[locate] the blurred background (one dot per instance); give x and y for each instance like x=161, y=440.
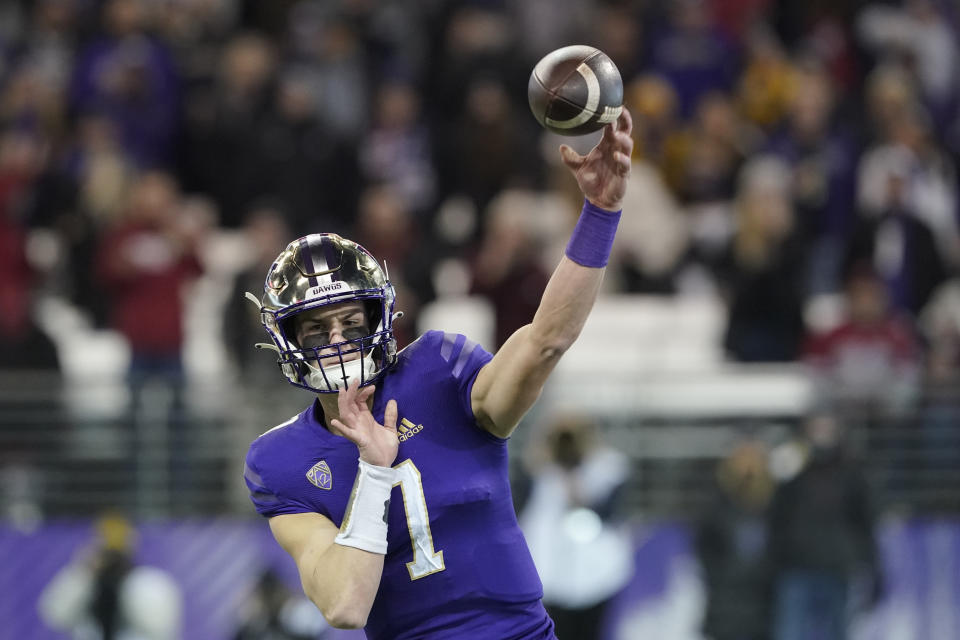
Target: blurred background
x=757, y=433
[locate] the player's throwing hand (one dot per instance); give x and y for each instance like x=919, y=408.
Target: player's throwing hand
x=377, y=443
x=602, y=174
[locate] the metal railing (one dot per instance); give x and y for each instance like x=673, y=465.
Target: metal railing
x=72, y=448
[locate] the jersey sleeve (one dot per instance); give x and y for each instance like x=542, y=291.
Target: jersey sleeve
x=465, y=358
x=267, y=495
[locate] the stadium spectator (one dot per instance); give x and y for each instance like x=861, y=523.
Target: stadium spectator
x=621, y=28
x=45, y=54
x=23, y=344
x=220, y=154
x=325, y=46
x=822, y=537
x=264, y=234
x=938, y=432
x=143, y=263
x=507, y=269
x=398, y=150
x=919, y=34
x=890, y=234
x=304, y=161
x=486, y=149
x=711, y=151
x=388, y=229
x=129, y=76
x=652, y=245
x=821, y=153
x=768, y=84
x=104, y=593
x=659, y=125
x=871, y=360
x=763, y=268
x=23, y=156
x=572, y=523
x=931, y=191
x=692, y=54
x=542, y=26
x=939, y=403
x=731, y=543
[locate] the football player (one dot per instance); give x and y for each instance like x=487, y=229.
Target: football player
x=391, y=491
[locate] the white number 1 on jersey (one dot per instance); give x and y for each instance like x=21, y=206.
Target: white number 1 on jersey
x=425, y=559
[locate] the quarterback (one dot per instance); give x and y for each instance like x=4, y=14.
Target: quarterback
x=390, y=491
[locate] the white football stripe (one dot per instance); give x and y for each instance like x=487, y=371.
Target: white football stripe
x=610, y=114
x=593, y=100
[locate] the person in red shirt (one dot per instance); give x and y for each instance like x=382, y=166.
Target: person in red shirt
x=23, y=343
x=871, y=360
x=143, y=264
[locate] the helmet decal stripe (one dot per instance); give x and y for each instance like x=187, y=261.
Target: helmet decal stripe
x=308, y=261
x=329, y=256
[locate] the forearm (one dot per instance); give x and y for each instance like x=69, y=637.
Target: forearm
x=572, y=290
x=354, y=562
x=343, y=582
x=340, y=568
x=566, y=303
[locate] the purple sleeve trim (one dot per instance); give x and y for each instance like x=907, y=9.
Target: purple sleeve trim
x=592, y=238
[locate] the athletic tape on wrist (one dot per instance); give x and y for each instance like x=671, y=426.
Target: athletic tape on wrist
x=365, y=519
x=592, y=238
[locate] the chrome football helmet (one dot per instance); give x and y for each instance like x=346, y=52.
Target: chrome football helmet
x=319, y=270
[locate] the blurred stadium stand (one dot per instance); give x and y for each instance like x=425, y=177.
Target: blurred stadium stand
x=775, y=139
x=647, y=368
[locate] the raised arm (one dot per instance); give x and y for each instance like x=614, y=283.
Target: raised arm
x=508, y=385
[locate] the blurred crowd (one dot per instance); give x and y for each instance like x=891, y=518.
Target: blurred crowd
x=795, y=158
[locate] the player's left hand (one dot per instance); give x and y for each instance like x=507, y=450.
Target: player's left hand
x=377, y=443
x=602, y=174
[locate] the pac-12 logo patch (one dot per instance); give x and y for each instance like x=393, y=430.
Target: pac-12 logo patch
x=320, y=476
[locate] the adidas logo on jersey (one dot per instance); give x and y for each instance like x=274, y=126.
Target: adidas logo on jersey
x=406, y=429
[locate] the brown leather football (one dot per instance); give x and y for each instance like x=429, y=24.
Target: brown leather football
x=575, y=90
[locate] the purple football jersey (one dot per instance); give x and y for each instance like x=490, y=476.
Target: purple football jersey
x=457, y=565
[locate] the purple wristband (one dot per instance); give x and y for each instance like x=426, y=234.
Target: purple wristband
x=592, y=238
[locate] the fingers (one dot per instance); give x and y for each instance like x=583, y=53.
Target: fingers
x=620, y=129
x=365, y=394
x=390, y=415
x=345, y=398
x=571, y=158
x=348, y=432
x=351, y=400
x=618, y=135
x=625, y=121
x=624, y=144
x=621, y=163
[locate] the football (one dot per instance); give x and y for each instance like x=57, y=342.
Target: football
x=575, y=90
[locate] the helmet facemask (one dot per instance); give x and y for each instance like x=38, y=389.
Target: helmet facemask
x=325, y=366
